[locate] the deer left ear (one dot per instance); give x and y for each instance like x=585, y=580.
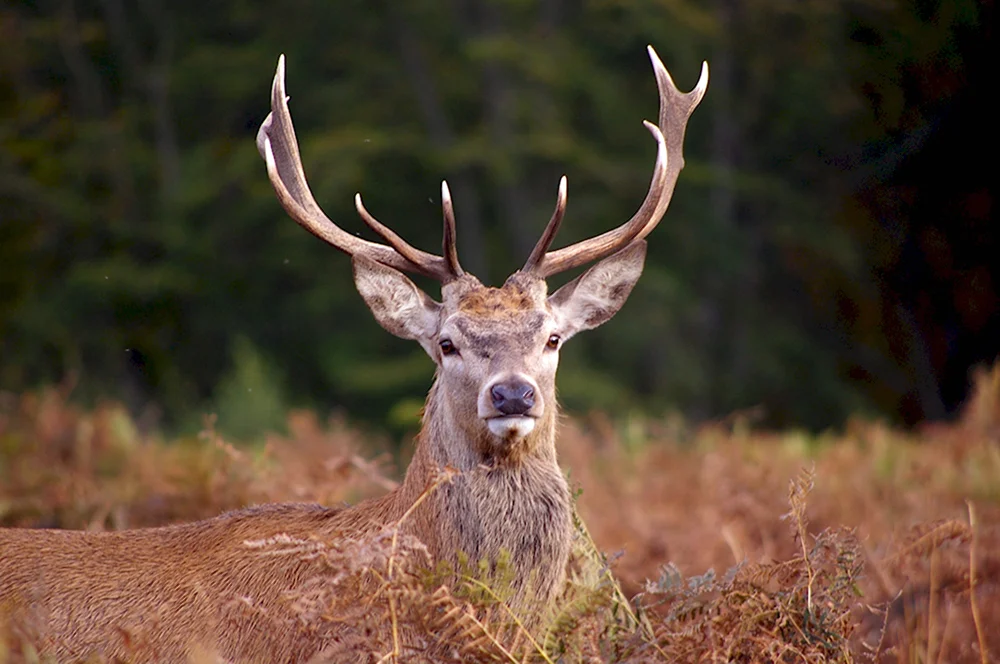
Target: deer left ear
x=398, y=305
x=596, y=295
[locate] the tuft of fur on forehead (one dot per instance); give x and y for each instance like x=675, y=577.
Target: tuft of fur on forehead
x=520, y=293
x=492, y=302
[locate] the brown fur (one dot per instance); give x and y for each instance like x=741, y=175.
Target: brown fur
x=161, y=594
x=505, y=301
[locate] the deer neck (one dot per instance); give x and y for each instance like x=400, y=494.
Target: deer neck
x=515, y=504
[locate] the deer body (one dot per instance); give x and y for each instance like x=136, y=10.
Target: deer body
x=167, y=594
x=212, y=587
x=161, y=594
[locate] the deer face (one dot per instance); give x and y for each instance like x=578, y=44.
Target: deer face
x=496, y=363
x=497, y=349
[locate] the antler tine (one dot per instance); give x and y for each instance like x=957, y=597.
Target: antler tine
x=550, y=231
x=608, y=243
x=423, y=263
x=278, y=146
x=675, y=109
x=449, y=248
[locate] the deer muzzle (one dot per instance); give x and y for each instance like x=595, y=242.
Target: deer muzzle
x=510, y=404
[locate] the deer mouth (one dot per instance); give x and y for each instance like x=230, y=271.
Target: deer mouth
x=511, y=427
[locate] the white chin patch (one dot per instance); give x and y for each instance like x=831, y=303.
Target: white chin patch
x=511, y=427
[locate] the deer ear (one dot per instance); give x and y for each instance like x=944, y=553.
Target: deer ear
x=399, y=306
x=596, y=295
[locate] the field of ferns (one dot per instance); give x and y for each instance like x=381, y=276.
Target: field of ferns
x=709, y=543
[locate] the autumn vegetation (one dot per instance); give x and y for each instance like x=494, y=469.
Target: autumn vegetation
x=716, y=542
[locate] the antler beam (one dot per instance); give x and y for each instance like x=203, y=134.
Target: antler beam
x=675, y=109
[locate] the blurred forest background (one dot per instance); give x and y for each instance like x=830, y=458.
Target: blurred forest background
x=830, y=248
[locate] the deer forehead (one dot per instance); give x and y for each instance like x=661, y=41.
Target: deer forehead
x=516, y=334
x=508, y=320
x=522, y=293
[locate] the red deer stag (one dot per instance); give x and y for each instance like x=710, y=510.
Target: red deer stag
x=490, y=415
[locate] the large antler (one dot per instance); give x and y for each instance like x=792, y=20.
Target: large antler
x=277, y=144
x=675, y=109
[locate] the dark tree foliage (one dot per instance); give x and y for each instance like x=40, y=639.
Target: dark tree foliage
x=143, y=254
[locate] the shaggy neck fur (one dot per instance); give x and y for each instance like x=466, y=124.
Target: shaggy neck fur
x=506, y=498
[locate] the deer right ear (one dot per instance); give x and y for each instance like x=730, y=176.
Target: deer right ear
x=597, y=294
x=399, y=306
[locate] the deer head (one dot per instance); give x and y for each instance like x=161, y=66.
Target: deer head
x=496, y=349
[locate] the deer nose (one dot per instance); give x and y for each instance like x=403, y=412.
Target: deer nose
x=514, y=397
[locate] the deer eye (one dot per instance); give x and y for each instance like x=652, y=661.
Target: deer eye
x=447, y=347
x=553, y=342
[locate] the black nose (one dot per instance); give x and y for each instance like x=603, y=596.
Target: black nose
x=514, y=397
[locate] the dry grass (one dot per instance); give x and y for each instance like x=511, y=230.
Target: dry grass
x=872, y=545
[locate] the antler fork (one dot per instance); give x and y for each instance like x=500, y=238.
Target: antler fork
x=675, y=109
